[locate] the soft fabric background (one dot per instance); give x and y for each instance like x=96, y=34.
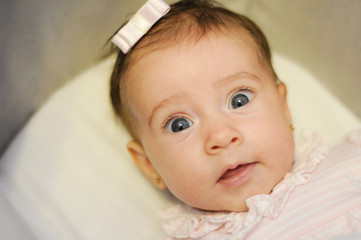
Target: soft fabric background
x=44, y=43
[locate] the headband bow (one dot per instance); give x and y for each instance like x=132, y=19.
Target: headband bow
x=140, y=24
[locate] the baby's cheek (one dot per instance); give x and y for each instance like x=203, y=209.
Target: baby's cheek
x=287, y=154
x=188, y=188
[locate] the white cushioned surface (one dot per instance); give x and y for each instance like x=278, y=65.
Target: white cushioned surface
x=69, y=175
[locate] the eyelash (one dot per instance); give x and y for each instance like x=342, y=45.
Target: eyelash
x=238, y=90
x=170, y=118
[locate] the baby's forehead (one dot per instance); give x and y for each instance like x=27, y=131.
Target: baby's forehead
x=186, y=38
x=213, y=56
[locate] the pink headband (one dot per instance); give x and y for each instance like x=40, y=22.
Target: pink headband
x=140, y=24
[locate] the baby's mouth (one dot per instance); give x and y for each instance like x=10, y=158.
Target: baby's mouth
x=237, y=175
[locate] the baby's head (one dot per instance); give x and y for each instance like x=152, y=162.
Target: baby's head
x=209, y=119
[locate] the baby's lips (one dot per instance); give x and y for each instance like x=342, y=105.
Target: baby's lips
x=235, y=177
x=229, y=173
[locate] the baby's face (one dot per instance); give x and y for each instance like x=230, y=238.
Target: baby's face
x=212, y=122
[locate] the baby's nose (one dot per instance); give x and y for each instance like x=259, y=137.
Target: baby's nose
x=222, y=137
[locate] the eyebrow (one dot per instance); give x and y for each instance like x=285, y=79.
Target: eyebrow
x=165, y=102
x=236, y=76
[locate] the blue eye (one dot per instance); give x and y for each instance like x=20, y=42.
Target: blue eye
x=240, y=98
x=178, y=125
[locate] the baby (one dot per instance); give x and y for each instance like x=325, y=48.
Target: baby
x=210, y=121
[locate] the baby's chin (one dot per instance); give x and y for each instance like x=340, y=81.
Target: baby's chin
x=241, y=208
x=234, y=205
x=229, y=205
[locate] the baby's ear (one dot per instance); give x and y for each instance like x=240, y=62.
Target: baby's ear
x=282, y=91
x=143, y=163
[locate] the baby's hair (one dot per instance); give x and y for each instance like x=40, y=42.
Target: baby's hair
x=187, y=20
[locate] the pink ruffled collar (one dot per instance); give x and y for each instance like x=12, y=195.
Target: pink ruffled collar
x=185, y=222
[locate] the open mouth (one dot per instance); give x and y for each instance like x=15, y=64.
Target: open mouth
x=236, y=176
